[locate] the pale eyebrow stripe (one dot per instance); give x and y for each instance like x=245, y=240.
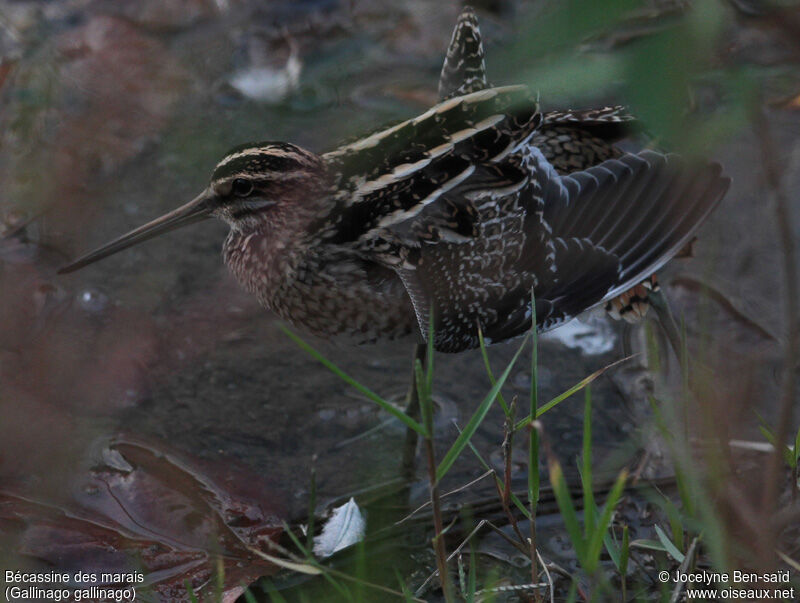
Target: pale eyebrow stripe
x=261, y=152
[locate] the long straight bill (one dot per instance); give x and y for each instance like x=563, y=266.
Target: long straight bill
x=196, y=210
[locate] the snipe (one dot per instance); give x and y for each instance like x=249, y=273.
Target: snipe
x=461, y=211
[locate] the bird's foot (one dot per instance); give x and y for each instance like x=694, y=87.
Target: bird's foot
x=633, y=305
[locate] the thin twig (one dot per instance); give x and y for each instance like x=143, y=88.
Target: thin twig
x=684, y=568
x=423, y=382
x=549, y=577
x=438, y=526
x=436, y=572
x=788, y=560
x=557, y=569
x=456, y=491
x=467, y=539
x=512, y=520
x=508, y=443
x=508, y=447
x=774, y=180
x=522, y=548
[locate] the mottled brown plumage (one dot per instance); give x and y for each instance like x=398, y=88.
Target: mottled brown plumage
x=459, y=213
x=570, y=140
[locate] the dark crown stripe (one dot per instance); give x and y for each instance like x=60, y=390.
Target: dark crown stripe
x=263, y=158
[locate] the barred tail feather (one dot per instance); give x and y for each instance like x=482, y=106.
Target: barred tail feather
x=464, y=68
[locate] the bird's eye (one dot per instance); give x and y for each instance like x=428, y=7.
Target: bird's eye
x=241, y=187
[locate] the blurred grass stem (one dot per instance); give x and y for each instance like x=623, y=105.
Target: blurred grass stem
x=533, y=449
x=773, y=173
x=408, y=464
x=423, y=380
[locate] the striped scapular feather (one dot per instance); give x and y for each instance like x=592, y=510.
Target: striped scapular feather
x=392, y=175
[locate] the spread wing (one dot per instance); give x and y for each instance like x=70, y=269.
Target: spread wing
x=576, y=240
x=474, y=208
x=472, y=216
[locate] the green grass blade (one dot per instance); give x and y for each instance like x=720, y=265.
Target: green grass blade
x=622, y=566
x=648, y=545
x=765, y=430
x=274, y=595
x=572, y=595
x=600, y=529
x=514, y=498
x=313, y=563
x=372, y=396
x=425, y=400
x=190, y=591
x=572, y=390
x=407, y=594
x=472, y=577
x=477, y=418
x=534, y=481
x=534, y=484
x=586, y=472
x=431, y=335
x=492, y=380
x=567, y=508
x=684, y=362
x=671, y=549
x=519, y=505
x=625, y=551
x=788, y=453
x=796, y=451
x=685, y=393
x=614, y=551
x=675, y=523
x=534, y=405
x=685, y=491
x=619, y=553
x=653, y=354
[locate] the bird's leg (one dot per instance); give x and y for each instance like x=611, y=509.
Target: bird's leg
x=412, y=409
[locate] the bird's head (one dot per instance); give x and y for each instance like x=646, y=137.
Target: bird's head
x=254, y=186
